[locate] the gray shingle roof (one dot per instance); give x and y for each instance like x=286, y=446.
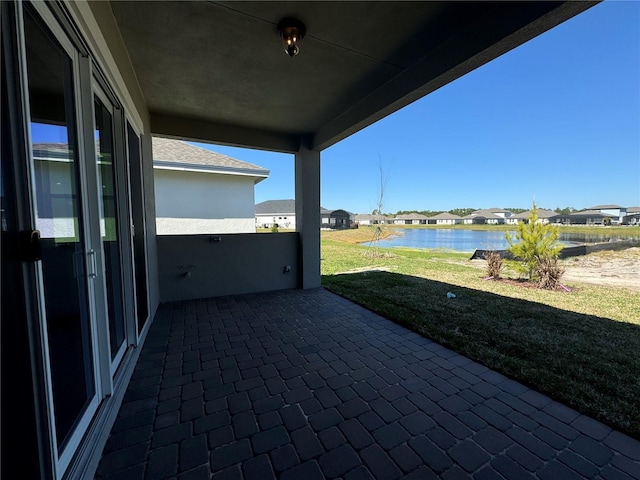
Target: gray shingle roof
x=46, y=148
x=590, y=212
x=445, y=216
x=177, y=154
x=367, y=216
x=542, y=213
x=497, y=210
x=486, y=213
x=283, y=207
x=411, y=216
x=279, y=207
x=604, y=207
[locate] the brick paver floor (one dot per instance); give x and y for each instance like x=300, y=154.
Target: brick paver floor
x=304, y=385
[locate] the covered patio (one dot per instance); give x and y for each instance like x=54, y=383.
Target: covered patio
x=303, y=384
x=112, y=360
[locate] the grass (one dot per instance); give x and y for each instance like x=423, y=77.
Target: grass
x=364, y=234
x=579, y=348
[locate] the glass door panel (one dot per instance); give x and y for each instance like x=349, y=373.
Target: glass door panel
x=137, y=215
x=108, y=225
x=60, y=221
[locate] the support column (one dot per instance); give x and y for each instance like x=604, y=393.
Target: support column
x=307, y=176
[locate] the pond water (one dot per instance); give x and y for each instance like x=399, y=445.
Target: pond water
x=470, y=240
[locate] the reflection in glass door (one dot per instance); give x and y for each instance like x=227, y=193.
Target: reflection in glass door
x=137, y=216
x=59, y=217
x=109, y=227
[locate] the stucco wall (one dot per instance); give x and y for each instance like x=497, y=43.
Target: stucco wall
x=196, y=203
x=203, y=266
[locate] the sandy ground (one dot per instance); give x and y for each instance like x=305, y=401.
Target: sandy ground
x=615, y=269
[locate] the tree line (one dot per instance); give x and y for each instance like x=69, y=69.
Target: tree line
x=463, y=212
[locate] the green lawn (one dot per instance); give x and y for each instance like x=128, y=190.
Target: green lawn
x=579, y=347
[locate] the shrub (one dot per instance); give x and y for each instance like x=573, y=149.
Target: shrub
x=534, y=242
x=274, y=228
x=494, y=264
x=548, y=273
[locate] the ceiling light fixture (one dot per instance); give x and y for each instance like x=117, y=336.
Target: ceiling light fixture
x=292, y=31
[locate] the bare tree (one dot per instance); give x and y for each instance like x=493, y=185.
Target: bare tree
x=378, y=215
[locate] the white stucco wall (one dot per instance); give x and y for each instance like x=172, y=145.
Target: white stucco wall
x=197, y=203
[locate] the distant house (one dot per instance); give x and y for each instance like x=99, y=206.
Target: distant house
x=632, y=217
x=445, y=218
x=200, y=191
x=276, y=212
x=616, y=211
x=489, y=216
x=411, y=219
x=336, y=218
x=544, y=216
x=585, y=217
x=500, y=212
x=283, y=214
x=368, y=219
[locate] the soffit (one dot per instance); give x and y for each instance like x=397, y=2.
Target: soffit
x=217, y=71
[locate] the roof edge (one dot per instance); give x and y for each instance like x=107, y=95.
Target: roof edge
x=250, y=172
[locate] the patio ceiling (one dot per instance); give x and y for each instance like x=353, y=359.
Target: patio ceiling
x=216, y=71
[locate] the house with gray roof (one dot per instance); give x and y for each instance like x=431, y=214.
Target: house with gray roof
x=616, y=211
x=411, y=219
x=544, y=216
x=282, y=213
x=491, y=216
x=336, y=218
x=445, y=218
x=200, y=191
x=276, y=212
x=369, y=219
x=500, y=212
x=632, y=217
x=585, y=217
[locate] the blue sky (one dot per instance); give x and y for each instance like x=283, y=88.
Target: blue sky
x=558, y=119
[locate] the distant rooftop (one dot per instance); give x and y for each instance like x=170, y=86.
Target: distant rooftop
x=485, y=213
x=283, y=207
x=445, y=216
x=278, y=207
x=542, y=213
x=411, y=216
x=604, y=207
x=591, y=212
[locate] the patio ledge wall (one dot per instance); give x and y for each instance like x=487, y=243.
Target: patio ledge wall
x=203, y=266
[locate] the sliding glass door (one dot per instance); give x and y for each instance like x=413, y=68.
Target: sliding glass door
x=106, y=158
x=78, y=178
x=139, y=227
x=67, y=261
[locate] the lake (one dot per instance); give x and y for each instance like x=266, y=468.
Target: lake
x=471, y=240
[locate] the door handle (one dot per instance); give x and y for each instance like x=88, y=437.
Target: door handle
x=30, y=245
x=93, y=273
